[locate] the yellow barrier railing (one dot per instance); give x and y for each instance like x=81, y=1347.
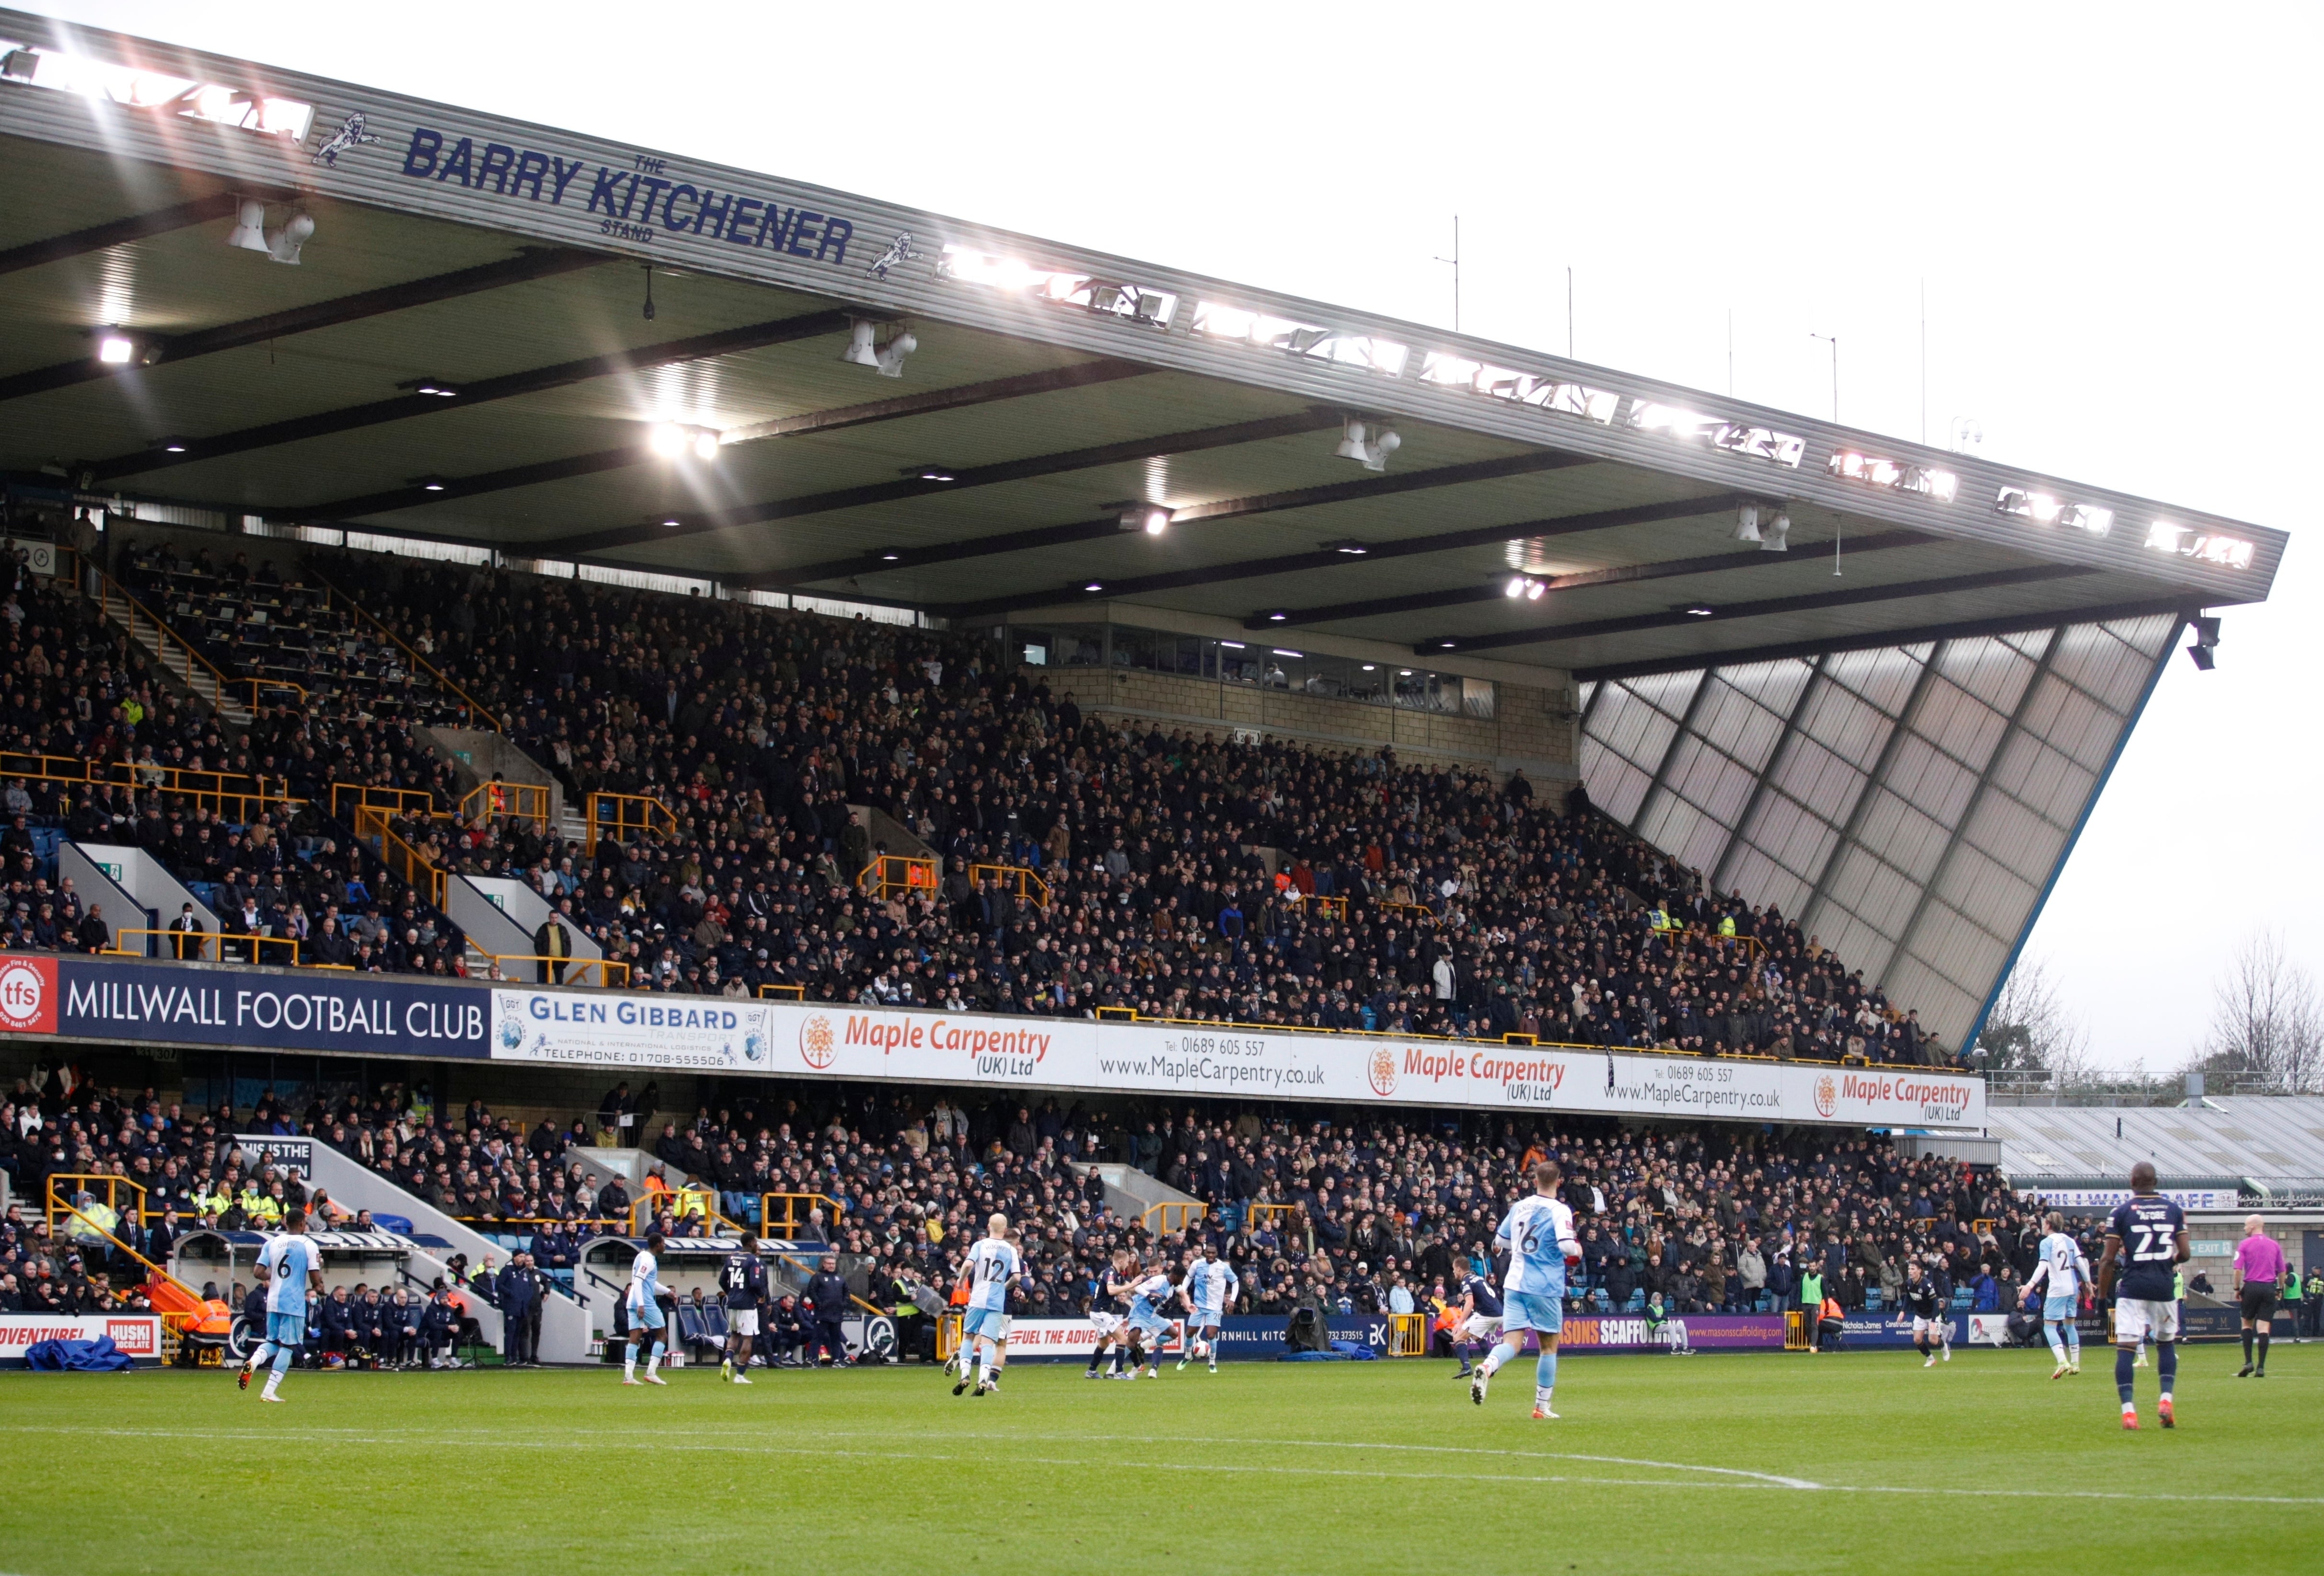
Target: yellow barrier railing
x=1413, y=913
x=1408, y=1335
x=480, y=715
x=414, y=867
x=526, y=801
x=783, y=992
x=908, y=874
x=234, y=795
x=1015, y=878
x=948, y=1327
x=1261, y=1213
x=1336, y=907
x=400, y=801
x=113, y=1188
x=1176, y=1215
x=796, y=1208
x=623, y=816
x=685, y=1204
x=230, y=947
x=573, y=969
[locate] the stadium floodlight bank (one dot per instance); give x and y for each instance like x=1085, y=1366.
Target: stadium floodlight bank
x=1900, y=758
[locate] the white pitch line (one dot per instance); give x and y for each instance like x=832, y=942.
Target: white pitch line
x=1765, y=1482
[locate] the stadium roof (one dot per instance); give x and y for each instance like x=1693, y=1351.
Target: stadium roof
x=1893, y=728
x=2277, y=1142
x=1049, y=390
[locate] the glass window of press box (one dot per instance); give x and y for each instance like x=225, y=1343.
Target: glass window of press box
x=1260, y=663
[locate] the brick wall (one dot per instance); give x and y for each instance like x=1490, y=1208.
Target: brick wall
x=1525, y=732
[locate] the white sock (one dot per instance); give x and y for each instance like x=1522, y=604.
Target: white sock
x=629, y=1363
x=1541, y=1396
x=272, y=1379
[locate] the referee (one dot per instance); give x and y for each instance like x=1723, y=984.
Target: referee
x=2259, y=1271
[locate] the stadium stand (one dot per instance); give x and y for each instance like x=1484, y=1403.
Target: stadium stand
x=1319, y=1211
x=1087, y=863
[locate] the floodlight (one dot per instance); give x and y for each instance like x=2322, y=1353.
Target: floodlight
x=670, y=522
x=1747, y=523
x=2206, y=628
x=1094, y=585
x=1369, y=442
x=431, y=484
x=890, y=359
x=1277, y=617
x=2203, y=658
x=668, y=440
x=1150, y=518
x=1776, y=535
x=249, y=232
x=1698, y=610
x=1533, y=589
x=706, y=446
x=434, y=386
x=1350, y=546
x=114, y=348
x=936, y=473
x=889, y=555
x=292, y=236
x=1516, y=587
x=173, y=445
x=863, y=349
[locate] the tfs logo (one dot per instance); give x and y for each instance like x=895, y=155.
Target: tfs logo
x=816, y=1041
x=1381, y=1070
x=28, y=995
x=1827, y=1095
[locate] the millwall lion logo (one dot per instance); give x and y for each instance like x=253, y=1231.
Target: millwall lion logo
x=898, y=252
x=351, y=134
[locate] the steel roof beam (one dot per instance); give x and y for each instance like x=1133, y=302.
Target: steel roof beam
x=1882, y=640
x=118, y=232
x=532, y=264
x=1989, y=580
x=908, y=487
x=507, y=386
x=1225, y=509
x=1496, y=590
x=1080, y=375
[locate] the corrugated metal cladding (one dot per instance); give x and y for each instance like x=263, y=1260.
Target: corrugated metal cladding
x=2273, y=1141
x=1910, y=805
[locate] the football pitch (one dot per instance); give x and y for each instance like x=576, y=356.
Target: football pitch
x=1715, y=1463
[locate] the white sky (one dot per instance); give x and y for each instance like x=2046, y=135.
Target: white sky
x=2105, y=203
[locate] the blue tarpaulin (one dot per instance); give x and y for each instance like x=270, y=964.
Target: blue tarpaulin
x=99, y=1355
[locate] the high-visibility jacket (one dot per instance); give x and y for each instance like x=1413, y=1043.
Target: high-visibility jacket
x=1727, y=925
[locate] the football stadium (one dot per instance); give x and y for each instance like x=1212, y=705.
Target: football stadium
x=682, y=847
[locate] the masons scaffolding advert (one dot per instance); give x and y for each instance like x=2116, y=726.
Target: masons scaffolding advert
x=595, y=1028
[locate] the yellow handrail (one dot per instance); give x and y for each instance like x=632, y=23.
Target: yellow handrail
x=794, y=1214
x=1187, y=1212
x=626, y=813
x=527, y=801
x=909, y=873
x=1423, y=914
x=683, y=1204
x=1027, y=883
x=476, y=708
x=130, y=610
x=62, y=1204
x=573, y=966
x=787, y=992
x=403, y=801
x=415, y=868
x=206, y=787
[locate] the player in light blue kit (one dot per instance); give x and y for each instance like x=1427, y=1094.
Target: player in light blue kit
x=1539, y=1236
x=991, y=1266
x=647, y=1321
x=1150, y=1325
x=293, y=1268
x=2062, y=1271
x=1209, y=1289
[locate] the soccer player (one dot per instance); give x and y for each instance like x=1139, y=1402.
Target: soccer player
x=1109, y=1312
x=1148, y=1328
x=2063, y=1270
x=1539, y=1235
x=293, y=1268
x=743, y=1279
x=643, y=1301
x=1480, y=1315
x=1209, y=1289
x=990, y=1266
x=1931, y=1326
x=2259, y=1271
x=2147, y=1237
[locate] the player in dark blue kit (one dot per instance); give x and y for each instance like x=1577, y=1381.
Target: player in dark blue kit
x=2147, y=1237
x=1480, y=1316
x=742, y=1281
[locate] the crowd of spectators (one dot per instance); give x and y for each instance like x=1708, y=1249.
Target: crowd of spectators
x=1401, y=898
x=1363, y=1215
x=94, y=747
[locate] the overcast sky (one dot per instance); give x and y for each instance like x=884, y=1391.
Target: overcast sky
x=2112, y=209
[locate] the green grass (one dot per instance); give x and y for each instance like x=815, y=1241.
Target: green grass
x=1718, y=1463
